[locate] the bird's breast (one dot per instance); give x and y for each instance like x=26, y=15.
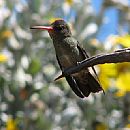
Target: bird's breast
x=67, y=52
x=67, y=61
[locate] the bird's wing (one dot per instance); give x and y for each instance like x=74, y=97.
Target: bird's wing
x=85, y=55
x=71, y=81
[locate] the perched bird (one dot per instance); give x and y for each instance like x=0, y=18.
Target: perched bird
x=68, y=54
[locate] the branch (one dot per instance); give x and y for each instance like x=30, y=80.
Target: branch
x=118, y=56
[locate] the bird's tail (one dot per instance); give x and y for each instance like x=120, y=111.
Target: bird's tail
x=83, y=86
x=88, y=84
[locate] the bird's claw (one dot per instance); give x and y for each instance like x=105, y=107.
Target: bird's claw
x=78, y=63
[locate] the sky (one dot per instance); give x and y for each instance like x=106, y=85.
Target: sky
x=111, y=18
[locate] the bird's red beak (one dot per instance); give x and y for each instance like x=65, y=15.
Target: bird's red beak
x=48, y=28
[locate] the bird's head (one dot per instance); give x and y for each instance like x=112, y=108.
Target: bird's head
x=58, y=29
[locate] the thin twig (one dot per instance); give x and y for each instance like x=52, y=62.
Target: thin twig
x=118, y=56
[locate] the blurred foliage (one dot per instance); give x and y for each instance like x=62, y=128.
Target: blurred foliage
x=29, y=98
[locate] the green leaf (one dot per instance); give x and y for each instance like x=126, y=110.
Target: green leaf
x=34, y=66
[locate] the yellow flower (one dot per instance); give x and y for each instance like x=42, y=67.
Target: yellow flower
x=6, y=34
x=121, y=75
x=104, y=81
x=3, y=58
x=123, y=67
x=123, y=82
x=69, y=2
x=11, y=124
x=123, y=40
x=107, y=71
x=127, y=126
x=120, y=93
x=101, y=126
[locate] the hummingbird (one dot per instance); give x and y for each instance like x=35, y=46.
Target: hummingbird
x=69, y=53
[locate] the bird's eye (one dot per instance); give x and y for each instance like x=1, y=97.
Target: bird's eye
x=59, y=28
